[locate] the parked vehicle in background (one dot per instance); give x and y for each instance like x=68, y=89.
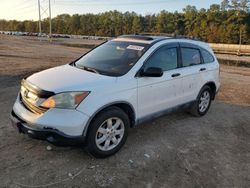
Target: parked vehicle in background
x=119, y=84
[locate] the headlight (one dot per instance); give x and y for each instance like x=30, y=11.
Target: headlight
x=69, y=100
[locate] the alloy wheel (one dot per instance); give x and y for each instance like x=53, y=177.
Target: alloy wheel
x=204, y=101
x=110, y=134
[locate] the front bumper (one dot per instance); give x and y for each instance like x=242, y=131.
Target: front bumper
x=69, y=121
x=51, y=135
x=64, y=125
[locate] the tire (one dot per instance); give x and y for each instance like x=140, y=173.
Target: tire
x=204, y=96
x=104, y=140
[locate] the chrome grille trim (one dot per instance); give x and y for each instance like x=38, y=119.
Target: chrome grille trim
x=31, y=107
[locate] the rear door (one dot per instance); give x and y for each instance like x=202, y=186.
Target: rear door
x=210, y=70
x=192, y=68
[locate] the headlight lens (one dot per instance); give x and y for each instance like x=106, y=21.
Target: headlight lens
x=68, y=100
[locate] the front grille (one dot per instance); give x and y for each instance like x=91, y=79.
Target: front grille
x=31, y=97
x=31, y=107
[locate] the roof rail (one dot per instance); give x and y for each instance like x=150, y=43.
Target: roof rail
x=171, y=35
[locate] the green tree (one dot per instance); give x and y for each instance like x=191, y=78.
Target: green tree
x=219, y=23
x=224, y=5
x=74, y=24
x=190, y=15
x=240, y=5
x=136, y=25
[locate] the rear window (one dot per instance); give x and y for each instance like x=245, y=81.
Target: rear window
x=207, y=57
x=190, y=56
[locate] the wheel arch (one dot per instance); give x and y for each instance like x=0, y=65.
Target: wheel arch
x=125, y=106
x=212, y=86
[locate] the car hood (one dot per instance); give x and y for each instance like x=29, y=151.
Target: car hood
x=68, y=78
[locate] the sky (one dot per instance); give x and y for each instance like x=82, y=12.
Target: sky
x=28, y=9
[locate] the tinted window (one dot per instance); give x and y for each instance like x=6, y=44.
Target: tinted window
x=190, y=56
x=113, y=58
x=207, y=57
x=165, y=58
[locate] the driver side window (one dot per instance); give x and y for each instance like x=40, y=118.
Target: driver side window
x=164, y=58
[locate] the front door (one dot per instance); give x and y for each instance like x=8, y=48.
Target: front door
x=155, y=95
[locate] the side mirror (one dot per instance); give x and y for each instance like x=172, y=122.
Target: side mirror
x=152, y=72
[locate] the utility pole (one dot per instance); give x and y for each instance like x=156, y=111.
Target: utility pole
x=44, y=8
x=240, y=34
x=50, y=24
x=240, y=41
x=40, y=26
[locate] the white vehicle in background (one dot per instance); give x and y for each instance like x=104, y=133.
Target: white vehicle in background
x=118, y=85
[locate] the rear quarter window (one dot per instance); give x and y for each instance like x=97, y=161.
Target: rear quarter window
x=207, y=56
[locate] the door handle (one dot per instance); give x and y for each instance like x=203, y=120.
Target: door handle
x=203, y=69
x=176, y=75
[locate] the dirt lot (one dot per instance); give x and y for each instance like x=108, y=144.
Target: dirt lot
x=181, y=151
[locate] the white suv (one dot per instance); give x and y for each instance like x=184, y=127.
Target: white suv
x=117, y=85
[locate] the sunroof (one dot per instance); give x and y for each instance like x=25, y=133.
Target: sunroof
x=137, y=37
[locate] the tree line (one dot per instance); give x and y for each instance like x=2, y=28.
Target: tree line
x=228, y=22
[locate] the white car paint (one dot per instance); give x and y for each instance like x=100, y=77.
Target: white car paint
x=67, y=78
x=145, y=95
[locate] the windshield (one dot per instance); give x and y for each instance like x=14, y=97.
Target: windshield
x=112, y=58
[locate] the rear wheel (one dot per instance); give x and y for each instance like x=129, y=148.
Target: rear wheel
x=108, y=132
x=203, y=102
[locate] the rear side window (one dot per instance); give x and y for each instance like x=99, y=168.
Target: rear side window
x=190, y=56
x=207, y=57
x=165, y=58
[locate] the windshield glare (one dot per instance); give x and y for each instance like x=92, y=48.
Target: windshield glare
x=112, y=58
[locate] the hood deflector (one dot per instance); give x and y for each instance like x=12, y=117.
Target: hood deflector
x=36, y=90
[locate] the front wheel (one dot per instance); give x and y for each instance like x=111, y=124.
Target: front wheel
x=203, y=102
x=108, y=132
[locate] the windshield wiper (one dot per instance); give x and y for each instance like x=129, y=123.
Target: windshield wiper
x=91, y=70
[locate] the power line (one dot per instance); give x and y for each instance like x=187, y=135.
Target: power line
x=23, y=3
x=77, y=3
x=26, y=7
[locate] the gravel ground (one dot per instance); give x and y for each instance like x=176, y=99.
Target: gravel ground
x=177, y=150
